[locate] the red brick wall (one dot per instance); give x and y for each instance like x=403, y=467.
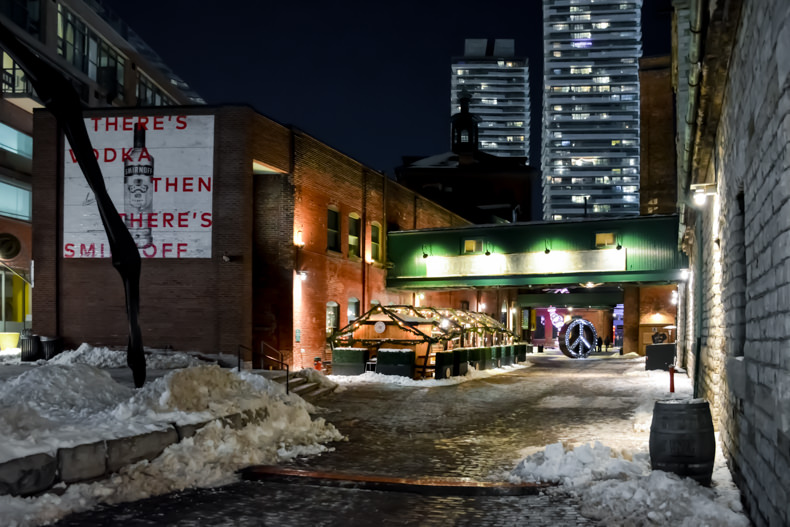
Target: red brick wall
x=253, y=300
x=657, y=180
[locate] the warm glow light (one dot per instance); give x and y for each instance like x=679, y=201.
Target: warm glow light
x=298, y=239
x=699, y=197
x=684, y=274
x=481, y=306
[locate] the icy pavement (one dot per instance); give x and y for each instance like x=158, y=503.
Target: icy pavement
x=536, y=422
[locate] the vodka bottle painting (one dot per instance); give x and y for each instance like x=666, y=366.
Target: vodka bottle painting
x=159, y=172
x=138, y=189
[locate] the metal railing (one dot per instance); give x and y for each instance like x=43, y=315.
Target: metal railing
x=279, y=360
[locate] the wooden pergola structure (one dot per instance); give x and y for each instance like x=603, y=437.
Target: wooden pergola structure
x=425, y=330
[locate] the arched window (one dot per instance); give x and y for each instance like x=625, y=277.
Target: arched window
x=375, y=242
x=333, y=230
x=353, y=309
x=354, y=230
x=332, y=316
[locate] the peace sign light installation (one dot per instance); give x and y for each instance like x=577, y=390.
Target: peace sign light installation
x=578, y=338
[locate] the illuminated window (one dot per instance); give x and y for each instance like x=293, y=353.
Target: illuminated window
x=557, y=217
x=332, y=316
x=586, y=70
x=601, y=25
x=577, y=199
x=629, y=188
x=604, y=239
x=375, y=242
x=473, y=246
x=333, y=230
x=15, y=202
x=353, y=309
x=601, y=80
x=354, y=228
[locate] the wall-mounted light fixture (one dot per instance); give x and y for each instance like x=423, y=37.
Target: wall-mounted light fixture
x=701, y=191
x=298, y=239
x=425, y=251
x=619, y=245
x=302, y=275
x=226, y=257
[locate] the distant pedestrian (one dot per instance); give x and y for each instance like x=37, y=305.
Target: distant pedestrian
x=608, y=341
x=600, y=343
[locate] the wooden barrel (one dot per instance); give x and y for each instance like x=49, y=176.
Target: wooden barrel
x=682, y=440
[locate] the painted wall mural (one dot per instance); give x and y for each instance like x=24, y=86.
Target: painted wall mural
x=159, y=174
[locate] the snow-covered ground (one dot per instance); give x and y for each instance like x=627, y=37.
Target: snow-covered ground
x=70, y=400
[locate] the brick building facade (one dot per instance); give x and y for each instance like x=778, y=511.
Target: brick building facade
x=735, y=308
x=294, y=242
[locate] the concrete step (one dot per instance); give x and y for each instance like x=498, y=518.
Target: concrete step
x=296, y=384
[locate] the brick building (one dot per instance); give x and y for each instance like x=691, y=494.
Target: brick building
x=261, y=237
x=732, y=66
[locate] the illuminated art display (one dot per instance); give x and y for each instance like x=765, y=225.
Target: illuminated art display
x=158, y=171
x=578, y=338
x=556, y=319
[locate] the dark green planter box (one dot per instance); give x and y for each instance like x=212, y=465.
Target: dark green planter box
x=496, y=356
x=444, y=365
x=507, y=355
x=349, y=361
x=395, y=362
x=460, y=361
x=475, y=358
x=486, y=362
x=521, y=352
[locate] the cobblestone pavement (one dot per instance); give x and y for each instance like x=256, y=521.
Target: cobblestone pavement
x=478, y=429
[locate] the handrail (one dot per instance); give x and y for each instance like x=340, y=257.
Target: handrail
x=238, y=354
x=281, y=362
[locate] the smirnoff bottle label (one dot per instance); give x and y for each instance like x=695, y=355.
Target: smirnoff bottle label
x=138, y=189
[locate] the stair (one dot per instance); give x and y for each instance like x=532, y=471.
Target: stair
x=309, y=391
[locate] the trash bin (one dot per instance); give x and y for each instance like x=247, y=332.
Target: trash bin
x=31, y=347
x=50, y=346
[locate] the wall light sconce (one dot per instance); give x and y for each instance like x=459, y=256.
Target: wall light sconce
x=226, y=257
x=488, y=250
x=481, y=306
x=302, y=275
x=701, y=191
x=298, y=239
x=425, y=251
x=619, y=245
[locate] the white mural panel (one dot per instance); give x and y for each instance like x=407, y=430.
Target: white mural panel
x=159, y=174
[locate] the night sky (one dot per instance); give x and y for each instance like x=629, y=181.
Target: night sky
x=368, y=78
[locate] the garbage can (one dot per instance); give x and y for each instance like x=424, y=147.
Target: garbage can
x=31, y=347
x=50, y=346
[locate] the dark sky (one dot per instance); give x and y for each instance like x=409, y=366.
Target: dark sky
x=370, y=79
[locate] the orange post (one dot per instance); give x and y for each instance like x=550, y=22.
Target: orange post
x=671, y=379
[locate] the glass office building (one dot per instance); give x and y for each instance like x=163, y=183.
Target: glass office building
x=499, y=85
x=590, y=143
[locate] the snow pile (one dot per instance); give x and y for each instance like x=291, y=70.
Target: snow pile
x=56, y=406
x=11, y=356
x=618, y=488
x=60, y=405
x=380, y=378
x=103, y=357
